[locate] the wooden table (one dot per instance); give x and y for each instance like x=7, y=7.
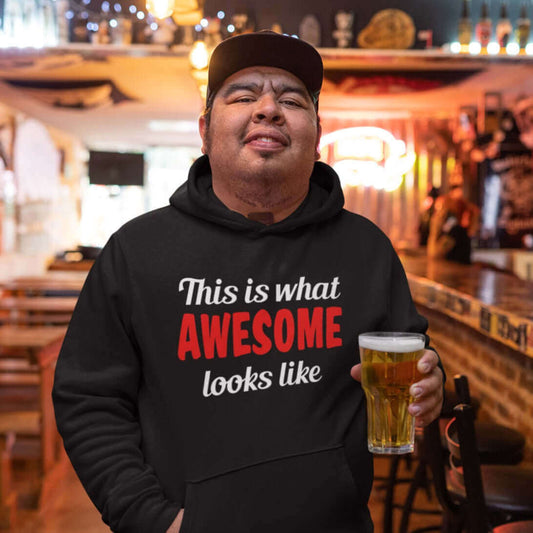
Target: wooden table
x=30, y=339
x=84, y=266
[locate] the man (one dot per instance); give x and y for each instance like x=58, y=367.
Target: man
x=453, y=224
x=204, y=383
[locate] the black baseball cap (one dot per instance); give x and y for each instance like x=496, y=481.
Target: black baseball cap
x=267, y=49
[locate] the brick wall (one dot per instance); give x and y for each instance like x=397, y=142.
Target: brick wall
x=499, y=376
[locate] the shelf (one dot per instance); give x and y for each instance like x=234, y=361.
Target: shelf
x=338, y=57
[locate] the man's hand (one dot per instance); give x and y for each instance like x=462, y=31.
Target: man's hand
x=427, y=392
x=176, y=525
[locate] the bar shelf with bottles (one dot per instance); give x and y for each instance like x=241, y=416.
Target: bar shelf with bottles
x=486, y=38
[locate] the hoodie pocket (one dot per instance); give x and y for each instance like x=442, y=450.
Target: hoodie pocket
x=307, y=493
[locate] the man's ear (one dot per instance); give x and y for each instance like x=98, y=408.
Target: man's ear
x=202, y=127
x=318, y=135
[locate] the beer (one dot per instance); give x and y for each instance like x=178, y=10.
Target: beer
x=388, y=370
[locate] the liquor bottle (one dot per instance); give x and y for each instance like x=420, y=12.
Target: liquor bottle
x=484, y=26
x=523, y=27
x=465, y=25
x=503, y=27
x=62, y=7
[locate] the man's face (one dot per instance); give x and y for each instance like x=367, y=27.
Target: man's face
x=263, y=129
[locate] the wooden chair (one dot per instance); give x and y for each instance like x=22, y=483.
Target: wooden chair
x=8, y=496
x=484, y=496
x=28, y=434
x=19, y=384
x=497, y=444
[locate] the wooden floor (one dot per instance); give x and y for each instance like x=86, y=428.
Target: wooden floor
x=70, y=511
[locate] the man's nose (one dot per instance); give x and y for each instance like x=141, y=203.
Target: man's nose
x=268, y=109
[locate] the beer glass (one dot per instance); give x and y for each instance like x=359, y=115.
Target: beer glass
x=389, y=362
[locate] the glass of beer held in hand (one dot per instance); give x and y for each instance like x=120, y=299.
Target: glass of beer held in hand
x=389, y=362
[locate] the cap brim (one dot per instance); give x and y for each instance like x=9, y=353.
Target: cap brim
x=267, y=49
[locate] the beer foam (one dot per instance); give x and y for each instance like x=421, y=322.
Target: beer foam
x=391, y=344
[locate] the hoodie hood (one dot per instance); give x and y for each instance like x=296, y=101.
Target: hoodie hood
x=196, y=197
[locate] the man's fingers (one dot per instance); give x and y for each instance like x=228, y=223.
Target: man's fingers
x=427, y=394
x=355, y=372
x=427, y=362
x=427, y=391
x=428, y=385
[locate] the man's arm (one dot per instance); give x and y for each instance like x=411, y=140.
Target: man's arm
x=403, y=316
x=95, y=398
x=176, y=525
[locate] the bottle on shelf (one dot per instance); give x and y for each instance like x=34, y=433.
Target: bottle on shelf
x=523, y=27
x=465, y=25
x=484, y=26
x=503, y=27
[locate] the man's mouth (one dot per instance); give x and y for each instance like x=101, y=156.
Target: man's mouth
x=266, y=139
x=263, y=140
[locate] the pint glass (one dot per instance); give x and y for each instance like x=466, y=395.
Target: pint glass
x=388, y=370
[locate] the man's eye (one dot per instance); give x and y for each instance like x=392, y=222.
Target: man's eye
x=244, y=99
x=291, y=103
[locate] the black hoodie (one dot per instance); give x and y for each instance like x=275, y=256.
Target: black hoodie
x=207, y=365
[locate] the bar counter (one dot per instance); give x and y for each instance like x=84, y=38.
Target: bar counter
x=496, y=304
x=481, y=324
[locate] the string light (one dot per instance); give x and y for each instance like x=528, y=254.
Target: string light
x=455, y=47
x=512, y=49
x=474, y=48
x=493, y=48
x=161, y=9
x=199, y=56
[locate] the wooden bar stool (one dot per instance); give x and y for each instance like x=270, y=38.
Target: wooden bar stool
x=497, y=444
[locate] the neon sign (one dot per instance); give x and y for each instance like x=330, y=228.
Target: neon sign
x=367, y=156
